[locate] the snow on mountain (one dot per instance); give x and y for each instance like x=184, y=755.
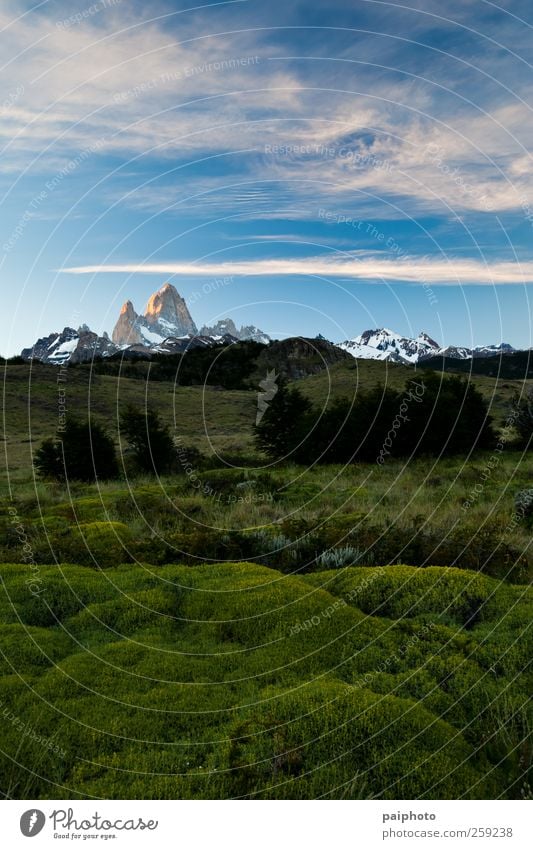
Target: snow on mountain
x=166, y=315
x=166, y=327
x=227, y=326
x=70, y=346
x=492, y=350
x=385, y=344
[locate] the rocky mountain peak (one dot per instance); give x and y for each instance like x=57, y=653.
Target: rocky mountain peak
x=128, y=310
x=166, y=315
x=225, y=326
x=167, y=311
x=126, y=331
x=427, y=340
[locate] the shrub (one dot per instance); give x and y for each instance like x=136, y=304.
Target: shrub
x=524, y=504
x=285, y=423
x=337, y=558
x=82, y=451
x=97, y=544
x=523, y=418
x=149, y=439
x=440, y=416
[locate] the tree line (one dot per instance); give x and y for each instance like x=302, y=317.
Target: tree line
x=84, y=450
x=432, y=415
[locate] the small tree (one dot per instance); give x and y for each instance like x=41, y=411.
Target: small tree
x=48, y=460
x=149, y=439
x=285, y=423
x=82, y=451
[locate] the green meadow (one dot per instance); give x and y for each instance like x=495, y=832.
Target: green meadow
x=257, y=630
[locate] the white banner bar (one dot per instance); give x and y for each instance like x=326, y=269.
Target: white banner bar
x=264, y=825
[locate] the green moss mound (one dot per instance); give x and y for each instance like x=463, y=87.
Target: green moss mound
x=235, y=680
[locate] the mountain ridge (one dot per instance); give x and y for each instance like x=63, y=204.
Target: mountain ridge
x=385, y=344
x=165, y=327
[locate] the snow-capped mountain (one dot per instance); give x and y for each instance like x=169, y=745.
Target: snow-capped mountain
x=384, y=344
x=166, y=327
x=492, y=350
x=227, y=326
x=166, y=315
x=70, y=346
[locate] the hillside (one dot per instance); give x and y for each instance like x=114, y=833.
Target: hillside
x=210, y=418
x=31, y=402
x=232, y=681
x=343, y=380
x=514, y=366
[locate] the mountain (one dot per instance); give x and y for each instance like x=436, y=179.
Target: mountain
x=70, y=346
x=514, y=365
x=227, y=326
x=298, y=357
x=384, y=344
x=166, y=327
x=166, y=315
x=177, y=345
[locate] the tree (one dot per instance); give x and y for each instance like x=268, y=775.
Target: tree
x=449, y=417
x=285, y=424
x=149, y=438
x=82, y=451
x=48, y=461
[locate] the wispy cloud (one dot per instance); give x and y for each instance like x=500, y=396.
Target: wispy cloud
x=361, y=266
x=175, y=88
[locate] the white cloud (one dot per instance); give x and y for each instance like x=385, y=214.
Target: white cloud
x=361, y=266
x=173, y=90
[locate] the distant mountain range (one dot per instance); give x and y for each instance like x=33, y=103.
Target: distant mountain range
x=167, y=327
x=384, y=344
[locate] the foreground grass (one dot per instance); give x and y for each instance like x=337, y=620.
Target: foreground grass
x=293, y=518
x=235, y=680
x=255, y=642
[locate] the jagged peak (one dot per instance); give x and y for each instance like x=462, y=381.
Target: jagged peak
x=166, y=297
x=128, y=309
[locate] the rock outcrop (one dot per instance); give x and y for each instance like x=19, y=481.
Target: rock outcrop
x=125, y=331
x=166, y=315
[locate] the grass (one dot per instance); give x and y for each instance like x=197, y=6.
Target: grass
x=217, y=422
x=261, y=632
x=235, y=680
x=205, y=418
x=288, y=518
x=344, y=379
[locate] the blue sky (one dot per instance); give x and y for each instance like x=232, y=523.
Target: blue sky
x=321, y=167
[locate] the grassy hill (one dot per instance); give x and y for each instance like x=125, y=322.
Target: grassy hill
x=254, y=631
x=235, y=680
x=344, y=379
x=209, y=419
x=215, y=420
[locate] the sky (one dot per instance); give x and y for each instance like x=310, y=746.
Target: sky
x=307, y=167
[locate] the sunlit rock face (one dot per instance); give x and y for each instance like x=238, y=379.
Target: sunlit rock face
x=125, y=331
x=166, y=315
